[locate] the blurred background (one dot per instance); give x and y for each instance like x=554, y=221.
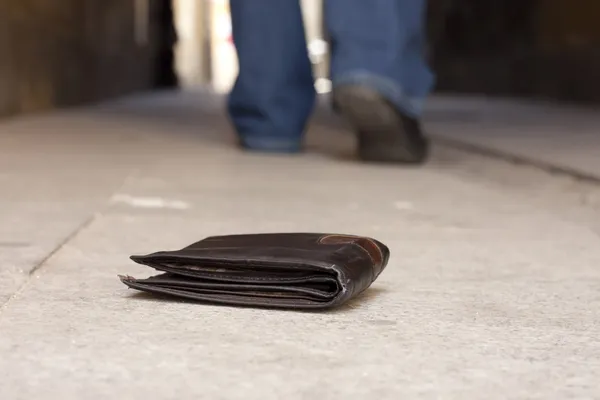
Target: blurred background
x=55, y=54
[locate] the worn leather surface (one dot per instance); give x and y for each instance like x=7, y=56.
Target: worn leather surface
x=280, y=270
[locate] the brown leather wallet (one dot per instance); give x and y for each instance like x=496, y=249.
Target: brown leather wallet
x=280, y=270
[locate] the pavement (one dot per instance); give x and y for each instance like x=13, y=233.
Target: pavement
x=563, y=138
x=492, y=290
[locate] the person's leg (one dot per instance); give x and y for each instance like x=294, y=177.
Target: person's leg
x=274, y=93
x=379, y=74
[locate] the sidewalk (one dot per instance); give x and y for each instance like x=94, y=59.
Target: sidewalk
x=548, y=135
x=492, y=289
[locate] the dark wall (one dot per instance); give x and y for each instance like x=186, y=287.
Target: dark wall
x=528, y=48
x=60, y=53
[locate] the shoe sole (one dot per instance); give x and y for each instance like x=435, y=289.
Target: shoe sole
x=382, y=136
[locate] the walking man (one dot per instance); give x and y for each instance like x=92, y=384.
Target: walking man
x=378, y=71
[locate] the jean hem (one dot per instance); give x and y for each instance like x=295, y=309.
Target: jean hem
x=271, y=145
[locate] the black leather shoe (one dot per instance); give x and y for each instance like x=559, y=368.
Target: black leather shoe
x=385, y=134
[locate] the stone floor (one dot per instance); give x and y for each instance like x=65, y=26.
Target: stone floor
x=492, y=290
x=563, y=138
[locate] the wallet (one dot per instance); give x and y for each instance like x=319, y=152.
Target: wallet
x=277, y=270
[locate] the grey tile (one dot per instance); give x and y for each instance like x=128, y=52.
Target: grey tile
x=492, y=286
x=548, y=134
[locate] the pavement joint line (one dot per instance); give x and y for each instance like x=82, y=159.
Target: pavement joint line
x=44, y=260
x=517, y=160
x=88, y=221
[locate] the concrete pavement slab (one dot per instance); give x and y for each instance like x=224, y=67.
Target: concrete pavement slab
x=552, y=135
x=492, y=289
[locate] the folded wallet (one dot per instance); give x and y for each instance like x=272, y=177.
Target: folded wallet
x=279, y=270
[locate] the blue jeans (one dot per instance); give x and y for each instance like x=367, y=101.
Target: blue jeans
x=378, y=43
